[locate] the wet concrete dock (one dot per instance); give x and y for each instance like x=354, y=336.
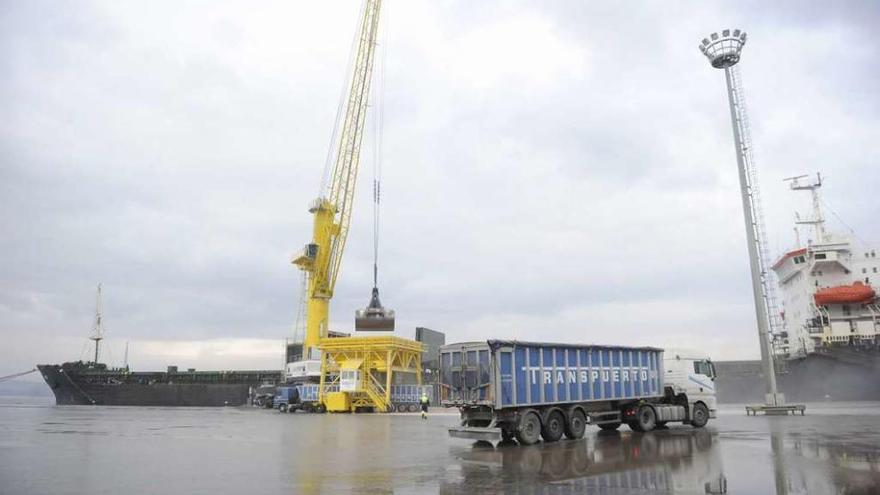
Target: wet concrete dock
x=835, y=448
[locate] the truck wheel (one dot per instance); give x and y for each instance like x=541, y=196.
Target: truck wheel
x=529, y=428
x=576, y=425
x=645, y=419
x=610, y=426
x=700, y=415
x=413, y=408
x=553, y=427
x=282, y=408
x=401, y=408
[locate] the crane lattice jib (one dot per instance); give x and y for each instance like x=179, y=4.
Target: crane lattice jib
x=344, y=178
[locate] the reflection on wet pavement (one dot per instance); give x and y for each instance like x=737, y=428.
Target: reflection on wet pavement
x=834, y=449
x=738, y=455
x=679, y=460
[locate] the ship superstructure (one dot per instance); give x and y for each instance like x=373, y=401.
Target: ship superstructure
x=827, y=287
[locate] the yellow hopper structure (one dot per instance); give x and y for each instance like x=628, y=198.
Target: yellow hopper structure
x=364, y=369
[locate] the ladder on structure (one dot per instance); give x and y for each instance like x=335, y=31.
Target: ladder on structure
x=768, y=289
x=376, y=393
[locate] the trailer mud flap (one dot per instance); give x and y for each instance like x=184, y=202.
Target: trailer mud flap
x=476, y=433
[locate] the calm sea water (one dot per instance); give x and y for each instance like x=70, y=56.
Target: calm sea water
x=132, y=450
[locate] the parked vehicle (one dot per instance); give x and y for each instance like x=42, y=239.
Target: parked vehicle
x=263, y=396
x=290, y=398
x=287, y=399
x=525, y=390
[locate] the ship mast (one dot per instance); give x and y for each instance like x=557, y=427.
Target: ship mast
x=818, y=221
x=98, y=327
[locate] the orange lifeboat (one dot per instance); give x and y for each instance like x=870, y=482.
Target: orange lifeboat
x=844, y=294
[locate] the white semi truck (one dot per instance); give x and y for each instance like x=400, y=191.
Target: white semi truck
x=525, y=390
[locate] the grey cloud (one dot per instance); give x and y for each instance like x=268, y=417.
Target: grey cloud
x=173, y=158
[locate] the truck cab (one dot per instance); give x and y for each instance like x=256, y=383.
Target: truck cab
x=286, y=398
x=691, y=373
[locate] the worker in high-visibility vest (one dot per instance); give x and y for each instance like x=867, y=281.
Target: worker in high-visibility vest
x=424, y=401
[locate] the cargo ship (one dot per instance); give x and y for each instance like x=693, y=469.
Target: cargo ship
x=90, y=383
x=94, y=383
x=826, y=334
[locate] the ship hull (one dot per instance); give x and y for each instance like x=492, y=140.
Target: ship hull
x=71, y=387
x=839, y=375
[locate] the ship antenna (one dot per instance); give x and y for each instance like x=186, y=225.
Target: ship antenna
x=98, y=328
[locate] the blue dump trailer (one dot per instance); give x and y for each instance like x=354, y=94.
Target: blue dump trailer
x=526, y=390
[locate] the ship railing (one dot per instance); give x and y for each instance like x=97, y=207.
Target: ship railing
x=874, y=309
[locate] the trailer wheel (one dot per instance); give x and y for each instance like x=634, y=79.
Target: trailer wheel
x=610, y=426
x=529, y=428
x=413, y=408
x=700, y=415
x=645, y=419
x=401, y=408
x=553, y=427
x=576, y=425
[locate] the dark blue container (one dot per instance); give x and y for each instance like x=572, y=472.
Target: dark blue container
x=503, y=373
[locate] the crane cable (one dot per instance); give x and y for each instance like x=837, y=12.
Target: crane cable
x=378, y=124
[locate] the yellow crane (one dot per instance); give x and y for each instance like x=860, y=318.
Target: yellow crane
x=354, y=372
x=322, y=257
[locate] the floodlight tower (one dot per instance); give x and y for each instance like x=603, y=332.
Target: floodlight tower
x=723, y=51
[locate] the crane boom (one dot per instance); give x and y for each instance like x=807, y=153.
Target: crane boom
x=345, y=172
x=322, y=257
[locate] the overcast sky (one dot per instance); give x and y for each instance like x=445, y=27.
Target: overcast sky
x=558, y=171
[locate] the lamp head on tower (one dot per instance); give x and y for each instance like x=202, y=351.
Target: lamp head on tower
x=723, y=49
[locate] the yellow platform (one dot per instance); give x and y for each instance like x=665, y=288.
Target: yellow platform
x=363, y=368
x=338, y=402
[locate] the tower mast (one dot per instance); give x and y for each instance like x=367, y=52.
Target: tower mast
x=723, y=51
